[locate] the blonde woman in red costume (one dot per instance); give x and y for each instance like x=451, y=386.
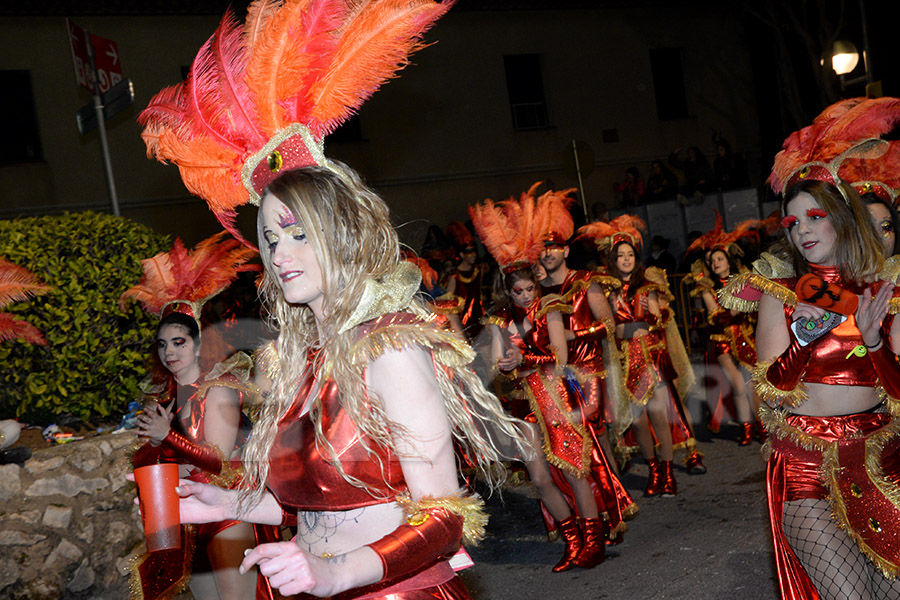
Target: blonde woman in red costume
x=355, y=442
x=525, y=334
x=645, y=331
x=828, y=370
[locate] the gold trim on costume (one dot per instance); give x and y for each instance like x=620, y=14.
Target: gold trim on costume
x=393, y=293
x=771, y=394
x=470, y=508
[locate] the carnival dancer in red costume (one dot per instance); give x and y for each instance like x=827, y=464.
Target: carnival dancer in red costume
x=525, y=333
x=355, y=442
x=657, y=372
x=193, y=415
x=732, y=347
x=592, y=352
x=444, y=305
x=464, y=283
x=828, y=371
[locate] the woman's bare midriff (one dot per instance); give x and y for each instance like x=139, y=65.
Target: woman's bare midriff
x=333, y=533
x=832, y=400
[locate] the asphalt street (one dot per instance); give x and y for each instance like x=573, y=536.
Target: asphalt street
x=711, y=541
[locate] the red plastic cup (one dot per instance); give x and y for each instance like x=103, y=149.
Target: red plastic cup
x=159, y=506
x=638, y=307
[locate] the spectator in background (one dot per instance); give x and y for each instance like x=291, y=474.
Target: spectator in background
x=699, y=178
x=662, y=183
x=631, y=191
x=730, y=169
x=599, y=212
x=660, y=256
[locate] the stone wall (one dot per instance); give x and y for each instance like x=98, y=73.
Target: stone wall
x=68, y=522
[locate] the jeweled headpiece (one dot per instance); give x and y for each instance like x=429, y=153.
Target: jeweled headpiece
x=514, y=231
x=261, y=97
x=849, y=130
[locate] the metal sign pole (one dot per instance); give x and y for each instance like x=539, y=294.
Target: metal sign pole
x=580, y=182
x=101, y=126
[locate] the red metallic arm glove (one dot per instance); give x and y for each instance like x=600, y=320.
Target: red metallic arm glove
x=148, y=454
x=203, y=456
x=785, y=371
x=533, y=360
x=423, y=539
x=887, y=369
x=596, y=331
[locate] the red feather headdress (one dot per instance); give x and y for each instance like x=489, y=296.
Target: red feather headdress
x=514, y=231
x=429, y=275
x=182, y=281
x=17, y=284
x=261, y=97
x=848, y=130
x=624, y=228
x=461, y=236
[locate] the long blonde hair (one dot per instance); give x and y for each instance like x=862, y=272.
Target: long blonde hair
x=348, y=227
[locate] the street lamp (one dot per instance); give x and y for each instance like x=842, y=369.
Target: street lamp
x=844, y=57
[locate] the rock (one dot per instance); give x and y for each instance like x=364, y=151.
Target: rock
x=86, y=457
x=65, y=554
x=65, y=485
x=10, y=485
x=57, y=516
x=9, y=432
x=83, y=578
x=117, y=534
x=86, y=535
x=9, y=574
x=31, y=517
x=36, y=466
x=12, y=537
x=105, y=448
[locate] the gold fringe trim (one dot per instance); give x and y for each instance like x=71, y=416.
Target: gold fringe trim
x=772, y=267
x=266, y=358
x=711, y=318
x=229, y=475
x=630, y=511
x=470, y=508
x=645, y=351
x=893, y=306
x=728, y=294
x=494, y=320
x=891, y=270
x=775, y=422
x=771, y=394
x=554, y=303
x=189, y=540
x=448, y=349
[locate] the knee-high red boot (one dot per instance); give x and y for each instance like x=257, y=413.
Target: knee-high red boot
x=654, y=479
x=593, y=552
x=572, y=537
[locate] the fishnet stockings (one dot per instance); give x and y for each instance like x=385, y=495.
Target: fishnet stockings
x=831, y=559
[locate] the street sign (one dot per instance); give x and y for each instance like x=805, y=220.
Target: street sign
x=114, y=100
x=106, y=59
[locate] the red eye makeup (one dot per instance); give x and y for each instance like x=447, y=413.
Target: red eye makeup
x=789, y=221
x=816, y=212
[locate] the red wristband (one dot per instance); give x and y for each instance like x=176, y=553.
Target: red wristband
x=424, y=539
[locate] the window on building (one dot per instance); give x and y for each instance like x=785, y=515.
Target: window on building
x=525, y=86
x=21, y=141
x=668, y=83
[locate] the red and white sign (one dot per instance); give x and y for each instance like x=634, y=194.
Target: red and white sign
x=106, y=59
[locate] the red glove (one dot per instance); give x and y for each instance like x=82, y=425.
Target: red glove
x=410, y=547
x=785, y=371
x=887, y=369
x=202, y=456
x=596, y=331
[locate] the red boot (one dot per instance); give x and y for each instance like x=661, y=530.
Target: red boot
x=669, y=488
x=572, y=537
x=654, y=480
x=594, y=550
x=695, y=464
x=746, y=437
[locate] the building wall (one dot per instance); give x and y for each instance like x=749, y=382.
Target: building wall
x=437, y=138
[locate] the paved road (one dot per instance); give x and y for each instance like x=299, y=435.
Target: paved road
x=709, y=542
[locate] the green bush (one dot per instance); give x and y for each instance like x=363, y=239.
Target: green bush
x=96, y=353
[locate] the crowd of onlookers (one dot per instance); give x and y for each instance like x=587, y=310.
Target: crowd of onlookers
x=695, y=176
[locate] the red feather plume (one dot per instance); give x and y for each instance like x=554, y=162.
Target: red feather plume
x=17, y=284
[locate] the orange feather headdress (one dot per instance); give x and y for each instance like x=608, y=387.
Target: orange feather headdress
x=514, y=231
x=719, y=239
x=461, y=236
x=182, y=280
x=17, y=284
x=624, y=228
x=848, y=130
x=261, y=97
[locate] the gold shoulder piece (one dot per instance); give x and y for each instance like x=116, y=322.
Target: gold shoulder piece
x=891, y=271
x=772, y=267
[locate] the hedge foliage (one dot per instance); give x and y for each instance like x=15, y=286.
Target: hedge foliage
x=96, y=353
